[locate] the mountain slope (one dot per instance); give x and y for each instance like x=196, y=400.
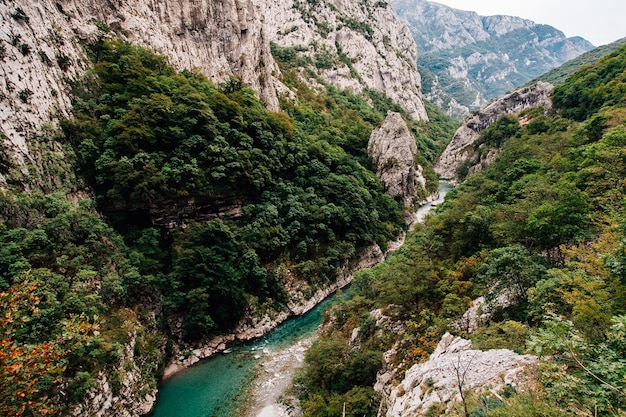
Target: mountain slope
x=178, y=207
x=351, y=45
x=534, y=245
x=466, y=60
x=464, y=154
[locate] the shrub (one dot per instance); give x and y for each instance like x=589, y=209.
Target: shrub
x=25, y=95
x=19, y=15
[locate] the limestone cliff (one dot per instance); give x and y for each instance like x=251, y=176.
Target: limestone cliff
x=453, y=365
x=392, y=149
x=351, y=45
x=41, y=49
x=40, y=58
x=42, y=54
x=466, y=60
x=460, y=147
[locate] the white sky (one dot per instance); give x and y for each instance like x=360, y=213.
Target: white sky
x=598, y=21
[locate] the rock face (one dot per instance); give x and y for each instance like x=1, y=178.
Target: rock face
x=392, y=148
x=453, y=363
x=460, y=147
x=219, y=38
x=42, y=54
x=39, y=59
x=351, y=45
x=466, y=60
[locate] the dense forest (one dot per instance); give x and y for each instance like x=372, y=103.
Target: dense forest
x=179, y=207
x=545, y=224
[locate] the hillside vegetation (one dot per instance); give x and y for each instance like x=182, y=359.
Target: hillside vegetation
x=205, y=206
x=545, y=224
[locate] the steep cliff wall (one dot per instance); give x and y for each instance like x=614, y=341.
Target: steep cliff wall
x=40, y=58
x=219, y=38
x=460, y=147
x=42, y=54
x=128, y=390
x=351, y=45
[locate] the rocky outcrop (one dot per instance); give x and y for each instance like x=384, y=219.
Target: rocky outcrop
x=466, y=60
x=453, y=364
x=351, y=45
x=392, y=149
x=128, y=387
x=480, y=312
x=461, y=147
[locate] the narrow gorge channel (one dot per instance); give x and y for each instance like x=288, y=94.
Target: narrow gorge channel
x=249, y=379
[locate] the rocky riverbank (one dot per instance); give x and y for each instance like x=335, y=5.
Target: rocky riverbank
x=274, y=378
x=253, y=328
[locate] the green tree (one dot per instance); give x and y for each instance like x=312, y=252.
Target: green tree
x=595, y=372
x=510, y=270
x=561, y=221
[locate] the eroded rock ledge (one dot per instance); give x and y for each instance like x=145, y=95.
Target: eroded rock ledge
x=461, y=148
x=437, y=381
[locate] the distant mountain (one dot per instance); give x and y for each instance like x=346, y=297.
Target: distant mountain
x=466, y=60
x=558, y=75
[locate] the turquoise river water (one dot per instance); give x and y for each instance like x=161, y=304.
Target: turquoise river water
x=218, y=386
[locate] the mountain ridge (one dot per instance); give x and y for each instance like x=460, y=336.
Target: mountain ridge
x=466, y=60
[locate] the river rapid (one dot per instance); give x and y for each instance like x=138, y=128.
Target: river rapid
x=250, y=379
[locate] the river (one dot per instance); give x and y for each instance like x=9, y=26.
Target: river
x=218, y=386
x=249, y=379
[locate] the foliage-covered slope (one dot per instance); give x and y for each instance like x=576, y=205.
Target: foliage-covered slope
x=205, y=207
x=544, y=225
x=148, y=138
